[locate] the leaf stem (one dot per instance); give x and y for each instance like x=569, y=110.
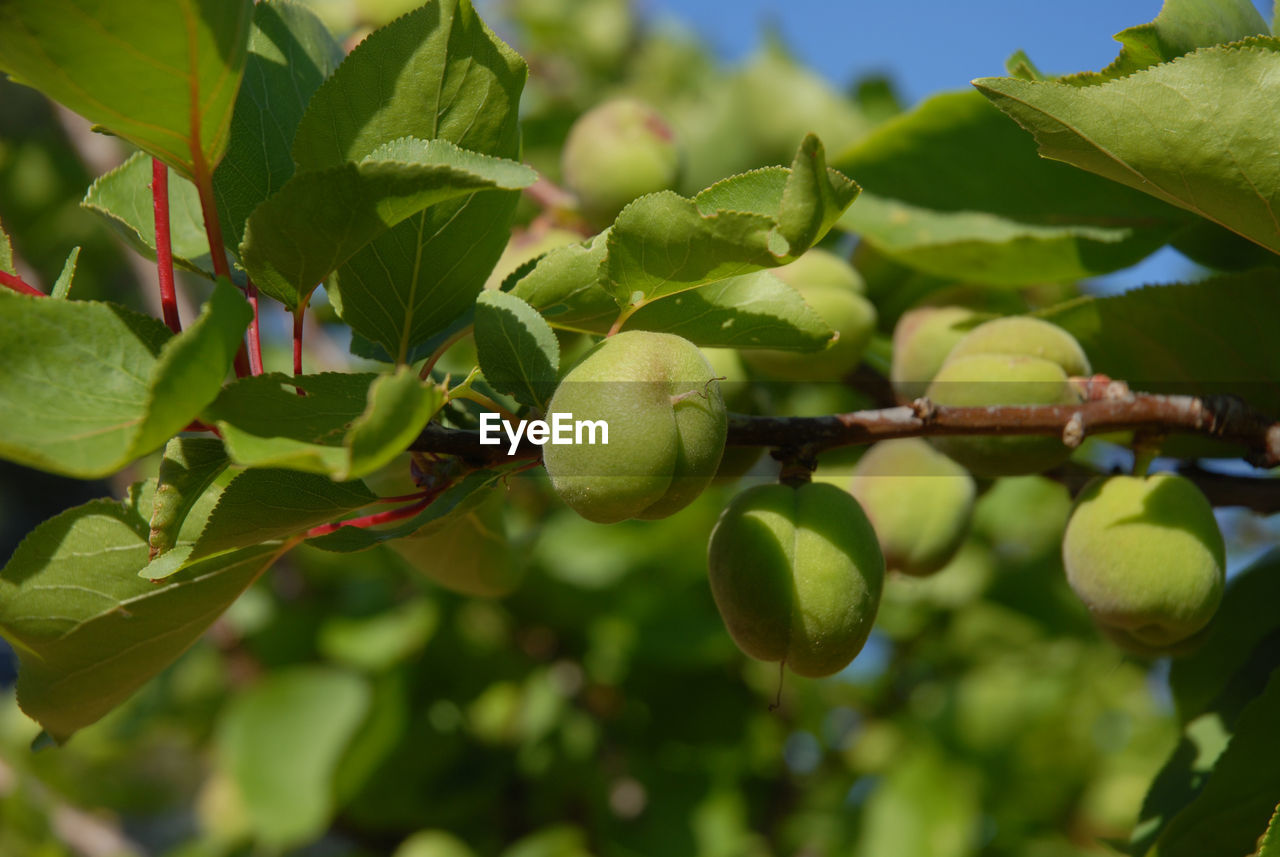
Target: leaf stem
x=20, y=286
x=203, y=180
x=255, y=331
x=440, y=351
x=373, y=520
x=298, y=315
x=164, y=244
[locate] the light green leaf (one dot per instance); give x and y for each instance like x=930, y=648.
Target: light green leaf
x=6, y=252
x=1269, y=845
x=378, y=642
x=258, y=506
x=437, y=72
x=664, y=243
x=1231, y=812
x=290, y=54
x=123, y=197
x=1181, y=27
x=189, y=467
x=89, y=387
x=282, y=740
x=517, y=350
x=1211, y=337
x=163, y=76
x=752, y=311
x=567, y=288
x=1186, y=132
x=926, y=805
x=62, y=285
x=928, y=201
x=347, y=425
x=88, y=631
x=320, y=218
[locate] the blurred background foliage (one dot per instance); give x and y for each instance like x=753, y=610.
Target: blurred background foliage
x=349, y=706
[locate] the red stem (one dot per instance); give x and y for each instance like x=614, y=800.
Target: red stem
x=297, y=337
x=20, y=286
x=164, y=246
x=255, y=337
x=217, y=250
x=372, y=520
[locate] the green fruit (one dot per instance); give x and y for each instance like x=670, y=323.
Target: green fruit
x=922, y=340
x=615, y=152
x=667, y=426
x=797, y=574
x=998, y=379
x=918, y=500
x=468, y=553
x=833, y=289
x=1146, y=557
x=1026, y=337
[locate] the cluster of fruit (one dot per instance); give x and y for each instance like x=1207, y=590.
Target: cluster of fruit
x=797, y=569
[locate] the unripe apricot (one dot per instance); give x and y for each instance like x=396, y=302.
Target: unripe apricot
x=796, y=573
x=982, y=380
x=666, y=424
x=918, y=500
x=922, y=339
x=468, y=553
x=1027, y=337
x=615, y=152
x=1146, y=557
x=834, y=290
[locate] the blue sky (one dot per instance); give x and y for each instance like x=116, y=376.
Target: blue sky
x=928, y=46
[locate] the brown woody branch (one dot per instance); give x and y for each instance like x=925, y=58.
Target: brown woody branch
x=1109, y=407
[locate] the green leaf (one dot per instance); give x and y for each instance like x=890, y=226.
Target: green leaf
x=259, y=506
x=189, y=467
x=751, y=311
x=1186, y=132
x=6, y=252
x=437, y=72
x=517, y=350
x=379, y=642
x=320, y=218
x=457, y=499
x=88, y=631
x=347, y=425
x=928, y=201
x=282, y=741
x=1181, y=27
x=163, y=76
x=1269, y=845
x=926, y=805
x=62, y=285
x=1183, y=776
x=290, y=54
x=1232, y=810
x=124, y=386
x=567, y=288
x=123, y=197
x=664, y=243
x=1210, y=337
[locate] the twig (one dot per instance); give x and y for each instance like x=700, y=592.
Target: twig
x=164, y=245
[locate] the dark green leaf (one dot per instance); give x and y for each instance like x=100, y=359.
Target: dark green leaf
x=290, y=54
x=1189, y=136
x=123, y=197
x=189, y=467
x=1204, y=338
x=88, y=630
x=124, y=384
x=928, y=201
x=1269, y=845
x=517, y=350
x=437, y=72
x=162, y=75
x=282, y=740
x=347, y=425
x=320, y=218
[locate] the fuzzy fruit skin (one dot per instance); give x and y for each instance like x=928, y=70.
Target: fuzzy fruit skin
x=617, y=151
x=922, y=339
x=998, y=379
x=1025, y=336
x=796, y=574
x=1146, y=557
x=661, y=453
x=918, y=500
x=834, y=290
